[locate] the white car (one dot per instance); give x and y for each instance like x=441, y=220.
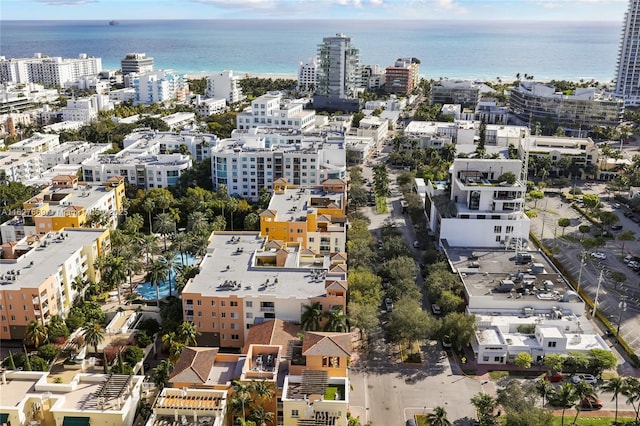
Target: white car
x=587, y=378
x=598, y=255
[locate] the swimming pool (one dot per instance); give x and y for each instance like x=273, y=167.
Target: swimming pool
x=148, y=291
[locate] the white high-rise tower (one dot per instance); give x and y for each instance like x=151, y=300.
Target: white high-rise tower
x=628, y=68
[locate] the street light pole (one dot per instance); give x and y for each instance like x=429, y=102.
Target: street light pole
x=595, y=302
x=580, y=273
x=544, y=216
x=622, y=307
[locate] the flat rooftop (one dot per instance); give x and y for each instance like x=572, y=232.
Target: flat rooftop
x=294, y=204
x=39, y=263
x=483, y=270
x=14, y=391
x=229, y=268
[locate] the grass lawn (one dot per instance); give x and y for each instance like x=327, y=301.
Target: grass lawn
x=421, y=419
x=330, y=395
x=381, y=204
x=589, y=420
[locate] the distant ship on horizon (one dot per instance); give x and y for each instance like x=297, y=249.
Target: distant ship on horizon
x=112, y=23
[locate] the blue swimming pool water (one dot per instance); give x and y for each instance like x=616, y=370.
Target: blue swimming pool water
x=148, y=291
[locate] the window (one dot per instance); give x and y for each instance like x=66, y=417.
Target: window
x=234, y=315
x=509, y=229
x=213, y=303
x=13, y=317
x=248, y=304
x=235, y=337
x=224, y=325
x=213, y=314
x=222, y=303
x=189, y=301
x=233, y=303
x=249, y=315
x=497, y=229
x=551, y=344
x=234, y=326
x=199, y=313
x=497, y=238
x=199, y=302
x=223, y=314
x=213, y=325
x=295, y=413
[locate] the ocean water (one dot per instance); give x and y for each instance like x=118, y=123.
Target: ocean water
x=451, y=49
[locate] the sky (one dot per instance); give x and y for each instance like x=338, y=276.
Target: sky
x=543, y=10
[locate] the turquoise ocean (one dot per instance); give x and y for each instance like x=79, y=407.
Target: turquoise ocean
x=451, y=49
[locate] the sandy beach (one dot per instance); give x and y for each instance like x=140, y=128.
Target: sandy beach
x=245, y=75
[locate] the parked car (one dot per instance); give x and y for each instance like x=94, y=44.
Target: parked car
x=435, y=309
x=416, y=244
x=616, y=227
x=587, y=378
x=628, y=258
x=598, y=255
x=446, y=342
x=554, y=378
x=388, y=304
x=634, y=265
x=590, y=403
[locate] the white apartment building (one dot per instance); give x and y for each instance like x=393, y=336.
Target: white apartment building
x=143, y=170
x=20, y=166
x=272, y=110
x=48, y=71
x=39, y=142
x=461, y=132
x=481, y=211
x=307, y=75
x=254, y=159
x=582, y=152
x=128, y=94
x=224, y=85
x=72, y=153
x=152, y=142
x=86, y=110
x=179, y=120
x=373, y=127
x=89, y=83
x=522, y=304
x=159, y=86
x=207, y=107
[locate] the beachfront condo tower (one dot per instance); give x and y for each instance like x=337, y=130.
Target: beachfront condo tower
x=628, y=69
x=337, y=74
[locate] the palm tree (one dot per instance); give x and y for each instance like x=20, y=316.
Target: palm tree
x=80, y=287
x=336, y=320
x=438, y=417
x=149, y=206
x=197, y=222
x=240, y=398
x=132, y=266
x=149, y=245
x=615, y=386
x=584, y=392
x=566, y=396
x=113, y=272
x=173, y=266
x=485, y=405
x=260, y=416
x=36, y=334
x=161, y=373
x=310, y=318
x=179, y=243
x=169, y=339
x=631, y=390
x=157, y=274
x=93, y=334
x=187, y=334
x=165, y=224
x=544, y=389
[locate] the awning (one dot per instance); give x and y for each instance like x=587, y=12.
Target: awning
x=3, y=418
x=75, y=421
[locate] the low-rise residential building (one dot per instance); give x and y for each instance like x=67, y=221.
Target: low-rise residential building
x=522, y=303
x=571, y=157
x=151, y=142
x=224, y=85
x=374, y=127
x=245, y=280
x=159, y=86
x=577, y=112
x=67, y=203
x=206, y=107
x=461, y=132
x=74, y=152
x=255, y=158
x=39, y=142
x=316, y=391
x=314, y=218
x=20, y=166
x=127, y=94
x=30, y=397
x=179, y=120
x=272, y=110
x=86, y=110
x=482, y=210
x=49, y=71
x=37, y=273
x=464, y=92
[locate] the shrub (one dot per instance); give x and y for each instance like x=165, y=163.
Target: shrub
x=143, y=340
x=149, y=326
x=48, y=352
x=133, y=354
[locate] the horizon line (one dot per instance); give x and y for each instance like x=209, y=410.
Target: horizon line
x=311, y=19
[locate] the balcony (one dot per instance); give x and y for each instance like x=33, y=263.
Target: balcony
x=267, y=309
x=188, y=306
x=35, y=300
x=188, y=318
